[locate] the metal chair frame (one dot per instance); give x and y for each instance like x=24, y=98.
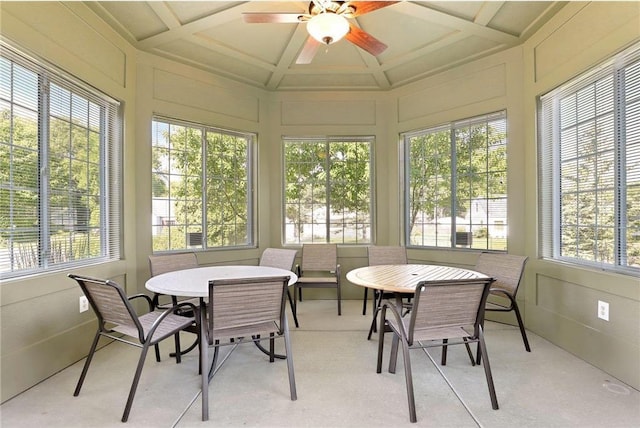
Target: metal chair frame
x=281, y=258
x=441, y=311
x=117, y=318
x=243, y=310
x=319, y=258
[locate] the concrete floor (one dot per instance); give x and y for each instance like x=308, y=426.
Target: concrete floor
x=337, y=385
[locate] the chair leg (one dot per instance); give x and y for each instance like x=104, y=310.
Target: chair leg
x=85, y=369
x=383, y=315
x=296, y=290
x=469, y=352
x=520, y=324
x=339, y=300
x=204, y=373
x=157, y=349
x=487, y=371
x=443, y=360
x=376, y=310
x=272, y=348
x=189, y=349
x=393, y=357
x=409, y=381
x=364, y=301
x=134, y=384
x=178, y=354
x=293, y=308
x=292, y=377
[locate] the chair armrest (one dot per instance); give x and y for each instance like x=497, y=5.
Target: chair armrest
x=145, y=297
x=502, y=292
x=396, y=314
x=170, y=311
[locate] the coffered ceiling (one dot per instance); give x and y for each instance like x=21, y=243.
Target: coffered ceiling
x=423, y=38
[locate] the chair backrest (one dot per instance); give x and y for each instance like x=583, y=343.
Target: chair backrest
x=506, y=270
x=278, y=258
x=245, y=302
x=171, y=262
x=110, y=303
x=319, y=257
x=387, y=255
x=448, y=305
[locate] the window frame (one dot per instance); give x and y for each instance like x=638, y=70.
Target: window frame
x=109, y=170
x=458, y=240
x=328, y=141
x=550, y=159
x=251, y=178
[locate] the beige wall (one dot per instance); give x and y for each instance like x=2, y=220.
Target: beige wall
x=42, y=331
x=561, y=300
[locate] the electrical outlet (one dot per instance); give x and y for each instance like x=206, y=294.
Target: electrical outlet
x=84, y=304
x=603, y=310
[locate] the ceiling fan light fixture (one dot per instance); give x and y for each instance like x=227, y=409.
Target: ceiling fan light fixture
x=328, y=27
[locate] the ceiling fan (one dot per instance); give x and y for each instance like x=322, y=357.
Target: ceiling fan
x=327, y=22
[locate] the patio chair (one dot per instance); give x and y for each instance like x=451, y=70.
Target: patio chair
x=163, y=263
x=117, y=317
x=280, y=258
x=244, y=310
x=381, y=255
x=441, y=312
x=319, y=269
x=507, y=270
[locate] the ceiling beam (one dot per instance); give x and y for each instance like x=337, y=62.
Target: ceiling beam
x=288, y=56
x=487, y=11
x=186, y=30
x=424, y=12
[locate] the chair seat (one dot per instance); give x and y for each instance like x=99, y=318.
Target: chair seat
x=262, y=329
x=167, y=327
x=435, y=333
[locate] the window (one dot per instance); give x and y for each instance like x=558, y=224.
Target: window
x=456, y=184
x=60, y=170
x=589, y=148
x=327, y=190
x=202, y=187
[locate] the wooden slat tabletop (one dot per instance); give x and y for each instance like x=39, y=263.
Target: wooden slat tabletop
x=405, y=278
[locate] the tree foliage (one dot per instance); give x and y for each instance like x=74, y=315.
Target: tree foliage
x=328, y=190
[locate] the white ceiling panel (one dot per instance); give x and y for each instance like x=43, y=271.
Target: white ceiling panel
x=422, y=38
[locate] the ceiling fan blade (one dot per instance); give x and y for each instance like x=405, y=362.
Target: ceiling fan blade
x=365, y=41
x=278, y=18
x=308, y=51
x=362, y=7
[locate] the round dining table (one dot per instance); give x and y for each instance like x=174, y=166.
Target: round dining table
x=404, y=278
x=194, y=282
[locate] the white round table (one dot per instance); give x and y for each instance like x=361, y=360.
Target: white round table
x=195, y=282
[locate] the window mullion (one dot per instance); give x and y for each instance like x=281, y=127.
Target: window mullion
x=327, y=222
x=620, y=138
x=203, y=188
x=454, y=187
x=43, y=185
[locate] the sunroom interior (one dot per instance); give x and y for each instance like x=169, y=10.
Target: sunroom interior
x=198, y=63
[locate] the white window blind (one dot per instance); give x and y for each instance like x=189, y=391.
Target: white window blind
x=60, y=170
x=589, y=160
